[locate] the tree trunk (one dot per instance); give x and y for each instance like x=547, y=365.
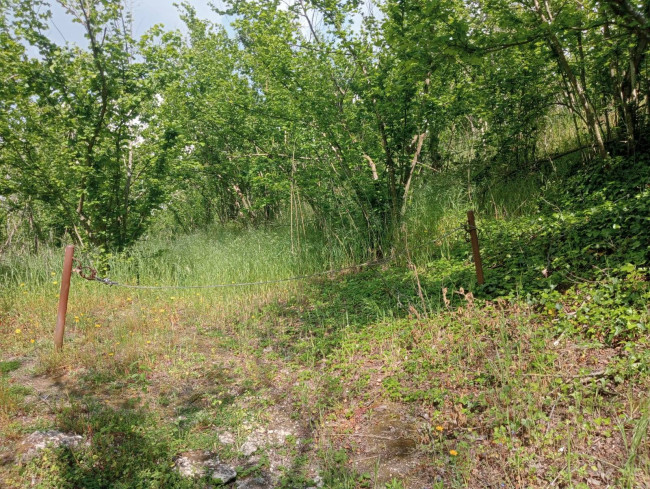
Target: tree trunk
x=579, y=90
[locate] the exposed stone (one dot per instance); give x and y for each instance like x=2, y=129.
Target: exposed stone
x=248, y=448
x=223, y=473
x=262, y=437
x=278, y=437
x=39, y=440
x=226, y=438
x=200, y=463
x=262, y=482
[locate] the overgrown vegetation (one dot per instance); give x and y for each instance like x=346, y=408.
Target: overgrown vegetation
x=332, y=112
x=329, y=136
x=538, y=377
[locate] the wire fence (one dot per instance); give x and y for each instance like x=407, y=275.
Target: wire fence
x=87, y=272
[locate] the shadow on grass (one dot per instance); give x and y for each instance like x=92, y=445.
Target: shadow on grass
x=128, y=443
x=311, y=325
x=125, y=449
x=593, y=234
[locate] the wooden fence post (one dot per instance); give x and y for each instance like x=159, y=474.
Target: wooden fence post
x=475, y=249
x=63, y=297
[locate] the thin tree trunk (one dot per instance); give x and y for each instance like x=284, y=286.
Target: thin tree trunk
x=579, y=90
x=127, y=192
x=571, y=103
x=414, y=162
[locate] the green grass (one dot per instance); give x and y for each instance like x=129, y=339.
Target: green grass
x=9, y=366
x=539, y=377
x=214, y=256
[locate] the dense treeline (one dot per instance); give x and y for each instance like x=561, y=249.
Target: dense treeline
x=335, y=109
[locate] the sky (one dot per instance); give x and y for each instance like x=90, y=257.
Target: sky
x=146, y=13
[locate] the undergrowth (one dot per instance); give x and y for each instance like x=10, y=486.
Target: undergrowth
x=538, y=377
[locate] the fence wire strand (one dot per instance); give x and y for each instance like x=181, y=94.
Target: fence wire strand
x=89, y=273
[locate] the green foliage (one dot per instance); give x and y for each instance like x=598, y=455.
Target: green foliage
x=83, y=152
x=583, y=256
x=398, y=390
x=610, y=309
x=394, y=484
x=126, y=450
x=322, y=112
x=9, y=366
x=11, y=395
x=365, y=133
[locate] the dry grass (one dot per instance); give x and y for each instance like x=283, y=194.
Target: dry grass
x=475, y=397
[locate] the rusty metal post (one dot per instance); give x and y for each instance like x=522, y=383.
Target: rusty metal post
x=63, y=297
x=475, y=249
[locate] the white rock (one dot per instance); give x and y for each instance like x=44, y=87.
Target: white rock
x=254, y=483
x=248, y=448
x=39, y=440
x=187, y=468
x=226, y=438
x=200, y=463
x=278, y=437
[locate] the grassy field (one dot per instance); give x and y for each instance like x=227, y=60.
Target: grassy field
x=402, y=375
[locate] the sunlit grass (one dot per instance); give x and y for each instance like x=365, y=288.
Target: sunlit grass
x=329, y=348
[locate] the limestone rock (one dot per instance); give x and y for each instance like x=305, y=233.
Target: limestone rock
x=200, y=463
x=226, y=438
x=262, y=482
x=39, y=440
x=248, y=448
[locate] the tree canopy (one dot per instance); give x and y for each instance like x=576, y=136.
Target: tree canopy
x=338, y=108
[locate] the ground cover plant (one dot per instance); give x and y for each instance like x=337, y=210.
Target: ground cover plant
x=404, y=374
x=342, y=144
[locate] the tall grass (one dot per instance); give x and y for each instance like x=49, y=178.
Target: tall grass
x=230, y=255
x=218, y=255
x=233, y=254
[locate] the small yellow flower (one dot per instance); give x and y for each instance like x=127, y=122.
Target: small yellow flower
x=148, y=342
x=52, y=273
x=439, y=428
x=453, y=453
x=18, y=331
x=98, y=325
x=22, y=285
x=32, y=340
x=111, y=354
x=54, y=282
x=76, y=319
x=129, y=299
x=161, y=310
